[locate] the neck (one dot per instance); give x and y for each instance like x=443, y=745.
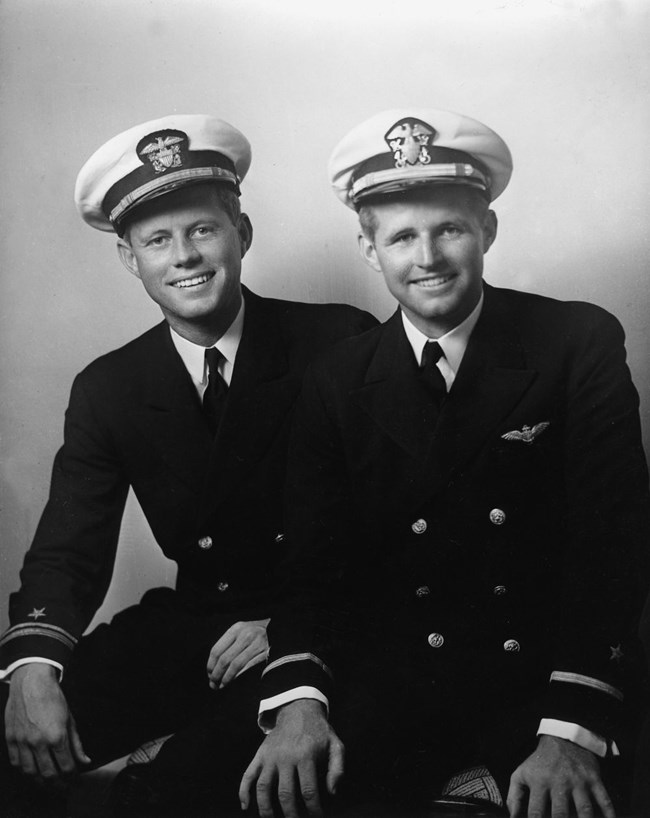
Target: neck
x=206, y=331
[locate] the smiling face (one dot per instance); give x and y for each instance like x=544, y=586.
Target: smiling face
x=429, y=245
x=187, y=251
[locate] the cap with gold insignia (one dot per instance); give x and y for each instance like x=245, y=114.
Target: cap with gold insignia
x=400, y=149
x=154, y=158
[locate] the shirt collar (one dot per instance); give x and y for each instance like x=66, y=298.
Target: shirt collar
x=453, y=343
x=193, y=355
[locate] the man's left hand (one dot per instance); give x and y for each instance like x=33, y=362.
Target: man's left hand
x=557, y=776
x=241, y=647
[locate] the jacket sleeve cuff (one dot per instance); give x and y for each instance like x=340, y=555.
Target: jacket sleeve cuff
x=297, y=670
x=580, y=699
x=578, y=735
x=29, y=639
x=269, y=707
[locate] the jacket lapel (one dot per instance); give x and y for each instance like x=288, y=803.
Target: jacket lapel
x=171, y=415
x=392, y=394
x=260, y=398
x=491, y=380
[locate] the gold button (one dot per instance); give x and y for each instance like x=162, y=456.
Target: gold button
x=436, y=640
x=497, y=516
x=205, y=543
x=419, y=526
x=423, y=590
x=222, y=586
x=279, y=538
x=511, y=646
x=499, y=590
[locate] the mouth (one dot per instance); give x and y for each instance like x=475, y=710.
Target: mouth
x=194, y=281
x=434, y=281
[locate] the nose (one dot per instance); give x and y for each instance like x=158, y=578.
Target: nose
x=428, y=253
x=185, y=252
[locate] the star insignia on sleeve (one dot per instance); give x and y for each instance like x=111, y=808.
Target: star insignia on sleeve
x=617, y=654
x=36, y=613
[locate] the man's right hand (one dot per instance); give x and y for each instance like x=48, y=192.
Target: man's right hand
x=42, y=738
x=300, y=746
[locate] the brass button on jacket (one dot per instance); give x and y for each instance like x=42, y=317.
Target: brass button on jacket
x=419, y=526
x=205, y=543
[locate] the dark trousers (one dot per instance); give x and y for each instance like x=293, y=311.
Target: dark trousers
x=144, y=676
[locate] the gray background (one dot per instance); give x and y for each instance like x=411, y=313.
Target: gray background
x=565, y=83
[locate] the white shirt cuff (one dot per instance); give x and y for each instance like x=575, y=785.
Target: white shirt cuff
x=266, y=713
x=6, y=674
x=577, y=734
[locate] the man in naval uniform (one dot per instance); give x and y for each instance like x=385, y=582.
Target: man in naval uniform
x=468, y=512
x=194, y=417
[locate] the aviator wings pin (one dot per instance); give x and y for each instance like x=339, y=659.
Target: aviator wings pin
x=527, y=434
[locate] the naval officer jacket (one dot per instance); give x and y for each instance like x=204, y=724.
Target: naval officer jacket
x=214, y=505
x=499, y=550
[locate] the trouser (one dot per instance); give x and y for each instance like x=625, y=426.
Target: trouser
x=143, y=676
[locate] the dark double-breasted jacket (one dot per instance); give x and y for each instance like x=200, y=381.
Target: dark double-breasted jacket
x=214, y=505
x=499, y=550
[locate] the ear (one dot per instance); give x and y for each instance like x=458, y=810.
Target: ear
x=245, y=230
x=127, y=257
x=368, y=252
x=489, y=229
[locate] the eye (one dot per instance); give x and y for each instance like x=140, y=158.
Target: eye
x=202, y=230
x=156, y=241
x=403, y=238
x=451, y=231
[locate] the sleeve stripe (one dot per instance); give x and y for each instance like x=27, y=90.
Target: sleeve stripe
x=587, y=681
x=298, y=657
x=51, y=631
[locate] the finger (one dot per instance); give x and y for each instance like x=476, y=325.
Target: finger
x=601, y=796
x=335, y=766
x=220, y=646
x=287, y=792
x=26, y=761
x=240, y=662
x=264, y=793
x=47, y=769
x=560, y=803
x=13, y=753
x=583, y=804
x=517, y=796
x=247, y=781
x=309, y=789
x=537, y=802
x=223, y=663
x=75, y=742
x=63, y=757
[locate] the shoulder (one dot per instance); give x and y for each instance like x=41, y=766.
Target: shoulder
x=129, y=361
x=539, y=315
x=332, y=320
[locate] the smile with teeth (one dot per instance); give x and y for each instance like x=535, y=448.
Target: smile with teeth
x=193, y=282
x=434, y=281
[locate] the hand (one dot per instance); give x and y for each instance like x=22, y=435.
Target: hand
x=557, y=773
x=243, y=645
x=42, y=738
x=301, y=742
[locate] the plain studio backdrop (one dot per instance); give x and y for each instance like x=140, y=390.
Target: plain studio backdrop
x=564, y=82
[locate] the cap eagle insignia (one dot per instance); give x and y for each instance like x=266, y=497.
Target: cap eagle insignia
x=527, y=434
x=409, y=140
x=163, y=153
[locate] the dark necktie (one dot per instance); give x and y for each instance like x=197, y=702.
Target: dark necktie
x=431, y=375
x=216, y=391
